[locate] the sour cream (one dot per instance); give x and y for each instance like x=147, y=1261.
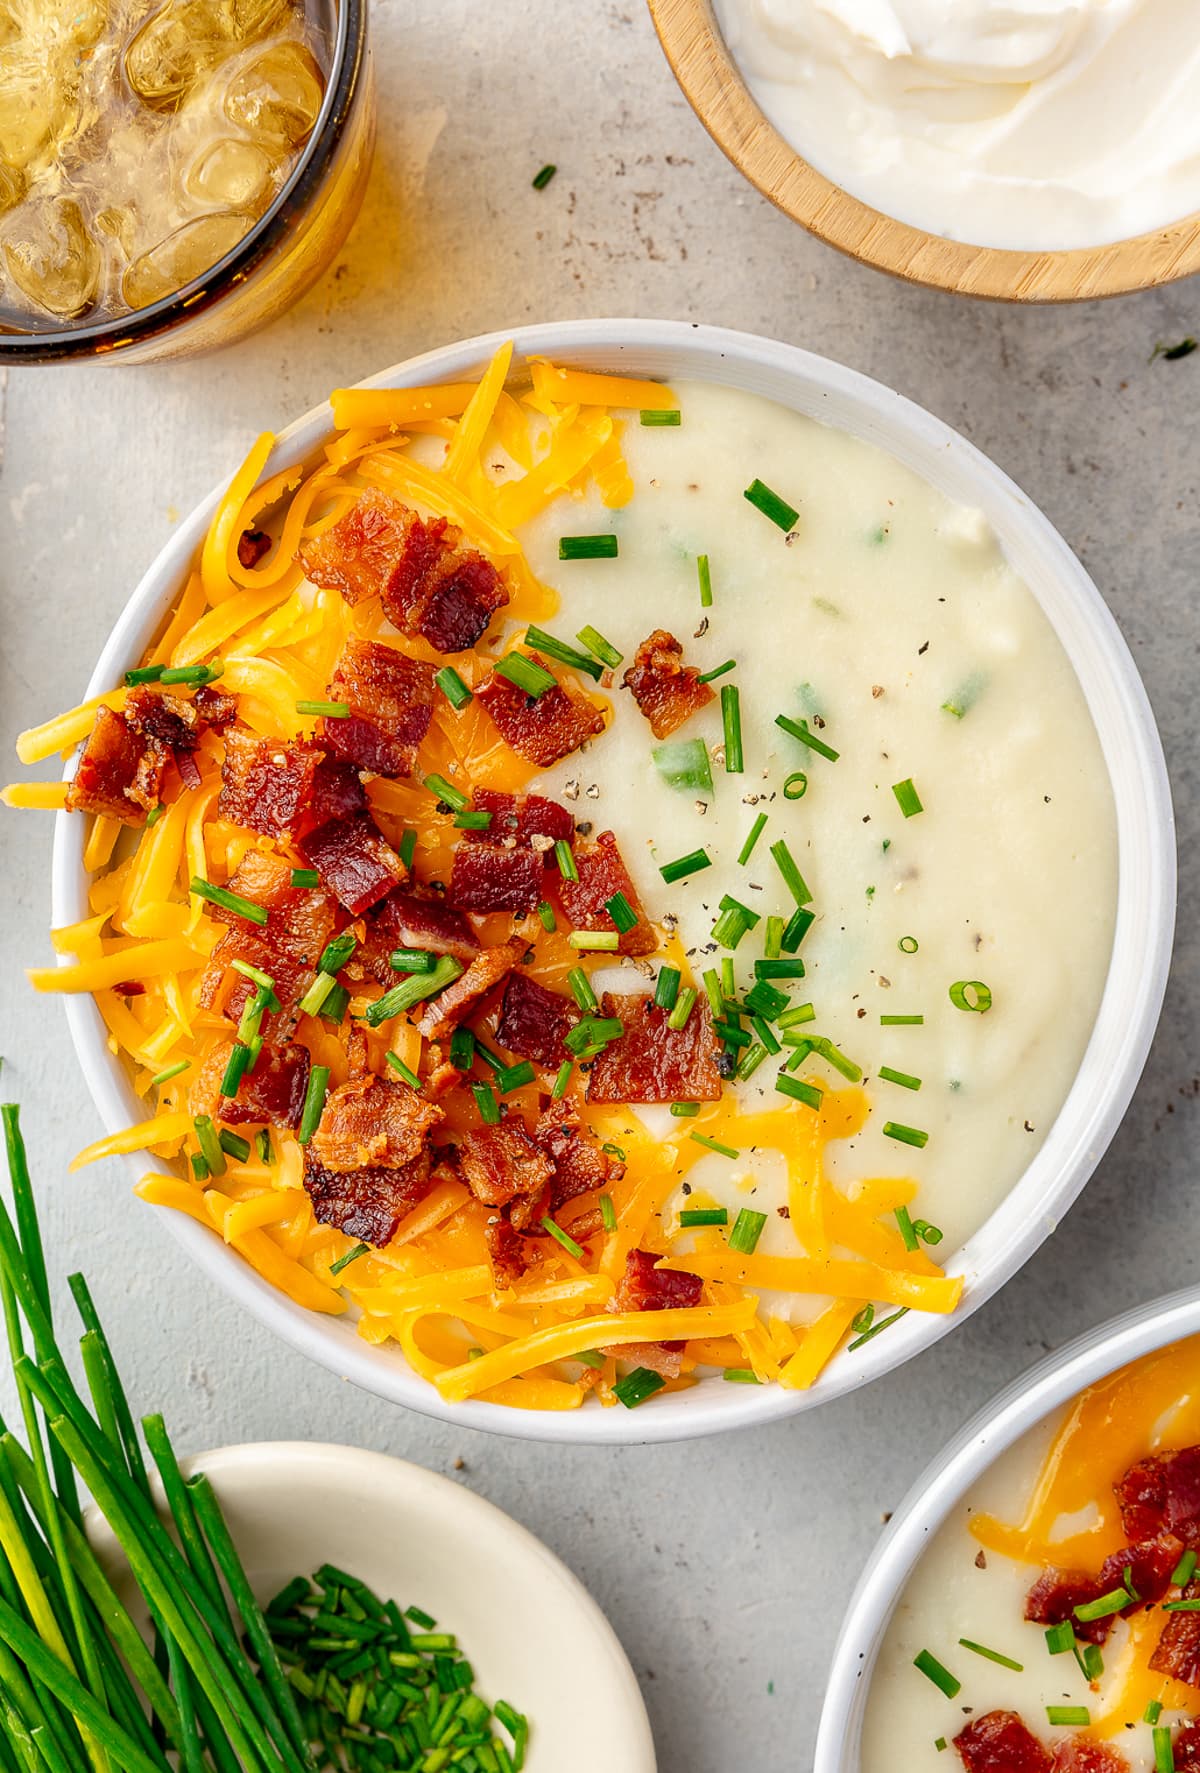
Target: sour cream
x=1037, y=124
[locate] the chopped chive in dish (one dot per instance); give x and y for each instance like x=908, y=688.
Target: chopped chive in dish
x=660, y=416
x=588, y=547
x=936, y=1672
x=704, y=575
x=731, y=721
x=541, y=642
x=714, y=1145
x=907, y=798
x=685, y=865
x=603, y=649
x=799, y=729
x=452, y=687
x=781, y=514
x=541, y=179
x=992, y=1655
x=971, y=994
x=525, y=674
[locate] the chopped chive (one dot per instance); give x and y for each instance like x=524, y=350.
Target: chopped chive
x=314, y=1103
x=766, y=1000
x=452, y=687
x=485, y=1101
x=901, y=1021
x=907, y=798
x=1076, y=1715
x=1060, y=1637
x=310, y=1004
x=666, y=989
x=771, y=505
x=765, y=1033
x=685, y=865
x=713, y=1145
x=514, y=1077
x=797, y=1017
x=337, y=952
x=906, y=1135
x=1164, y=1749
x=970, y=994
x=903, y=1078
x=541, y=642
x=228, y=901
x=798, y=926
x=598, y=941
x=876, y=1329
x=728, y=983
x=587, y=547
x=752, y=1058
x=731, y=718
x=591, y=1357
x=964, y=698
x=305, y=878
x=561, y=1081
x=704, y=575
x=413, y=990
x=446, y=792
x=462, y=1049
x=773, y=940
x=1184, y=1570
x=608, y=1212
x=637, y=1386
x=593, y=1031
x=407, y=847
x=604, y=650
x=939, y=1742
x=731, y=1034
x=794, y=881
x=908, y=944
x=234, y=1145
x=1152, y=1712
x=795, y=786
x=779, y=969
x=546, y=916
x=824, y=1046
x=154, y=815
x=199, y=1166
x=717, y=671
x=402, y=1070
x=412, y=960
x=210, y=1145
x=621, y=912
x=581, y=989
x=1186, y=1606
x=197, y=674
x=741, y=1376
x=795, y=1087
x=349, y=1257
x=561, y=1237
x=263, y=1146
x=933, y=1670
x=660, y=416
x=331, y=710
x=928, y=1234
x=525, y=674
x=472, y=820
x=163, y=1077
x=992, y=1655
x=144, y=674
x=564, y=855
x=541, y=179
x=235, y=1069
x=908, y=1231
x=747, y=1229
x=684, y=763
x=799, y=730
x=747, y=849
x=683, y=1008
x=685, y=1110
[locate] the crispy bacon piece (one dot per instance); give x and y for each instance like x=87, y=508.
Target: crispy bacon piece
x=485, y=877
x=287, y=947
x=529, y=820
x=651, y=1062
x=391, y=704
x=173, y=720
x=667, y=691
x=509, y=1252
x=1056, y=1593
x=1149, y=1565
x=1000, y=1742
x=252, y=545
x=429, y=584
x=645, y=1287
x=273, y=1093
x=533, y=1021
x=1083, y=1754
x=1055, y=1596
x=1178, y=1650
x=602, y=873
x=444, y=1013
x=355, y=861
x=369, y=1203
x=1161, y=1494
x=1187, y=1747
x=267, y=785
x=543, y=729
x=579, y=1164
x=403, y=920
x=501, y=1163
x=372, y=1121
x=337, y=793
x=120, y=771
x=215, y=708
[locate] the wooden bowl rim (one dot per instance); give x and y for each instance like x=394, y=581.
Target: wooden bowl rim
x=713, y=86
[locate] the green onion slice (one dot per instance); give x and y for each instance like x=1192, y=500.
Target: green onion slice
x=587, y=547
x=971, y=994
x=783, y=515
x=684, y=763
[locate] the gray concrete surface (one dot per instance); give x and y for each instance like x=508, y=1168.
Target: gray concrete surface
x=723, y=1564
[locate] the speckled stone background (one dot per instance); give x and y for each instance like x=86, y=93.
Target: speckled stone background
x=723, y=1564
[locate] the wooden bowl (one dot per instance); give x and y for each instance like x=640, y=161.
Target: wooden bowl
x=720, y=98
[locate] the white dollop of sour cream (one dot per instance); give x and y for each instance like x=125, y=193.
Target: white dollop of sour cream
x=1039, y=124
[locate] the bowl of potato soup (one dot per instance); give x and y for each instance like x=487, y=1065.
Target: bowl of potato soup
x=1033, y=1606
x=758, y=915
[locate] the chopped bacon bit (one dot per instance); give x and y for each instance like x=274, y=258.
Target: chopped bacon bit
x=391, y=704
x=130, y=988
x=267, y=785
x=501, y=1163
x=1161, y=1494
x=288, y=947
x=273, y=1093
x=1055, y=1596
x=355, y=861
x=529, y=820
x=1149, y=1567
x=1083, y=1754
x=1000, y=1742
x=446, y=1011
x=215, y=708
x=120, y=771
x=442, y=1077
x=651, y=1062
x=646, y=1287
x=404, y=921
x=509, y=1252
x=252, y=545
x=429, y=584
x=667, y=691
x=533, y=1021
x=1178, y=1652
x=485, y=877
x=173, y=720
x=367, y=1204
x=337, y=793
x=1187, y=1747
x=543, y=729
x=579, y=1164
x=602, y=873
x=372, y=1121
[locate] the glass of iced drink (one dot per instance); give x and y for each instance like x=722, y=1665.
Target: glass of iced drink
x=173, y=173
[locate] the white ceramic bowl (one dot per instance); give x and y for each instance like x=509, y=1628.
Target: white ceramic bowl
x=530, y=1629
x=1020, y=1407
x=1146, y=873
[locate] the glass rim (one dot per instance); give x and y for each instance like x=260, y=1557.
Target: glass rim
x=112, y=335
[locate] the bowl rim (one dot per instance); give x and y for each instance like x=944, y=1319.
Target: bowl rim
x=713, y=85
x=1143, y=933
x=461, y=1516
x=110, y=338
x=1020, y=1406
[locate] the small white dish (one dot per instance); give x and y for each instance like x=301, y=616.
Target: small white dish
x=1133, y=755
x=1020, y=1407
x=531, y=1631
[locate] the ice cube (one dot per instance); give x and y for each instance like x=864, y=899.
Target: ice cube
x=173, y=49
x=182, y=257
x=74, y=24
x=34, y=107
x=52, y=258
x=12, y=186
x=232, y=174
x=252, y=19
x=277, y=94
